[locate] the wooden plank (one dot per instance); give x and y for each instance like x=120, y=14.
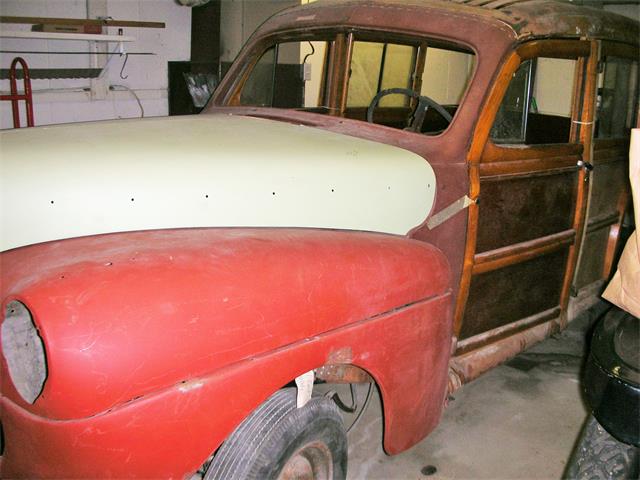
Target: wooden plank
x=529, y=167
x=480, y=136
x=555, y=49
x=80, y=21
x=502, y=153
x=521, y=252
x=602, y=221
x=589, y=70
x=66, y=36
x=487, y=338
x=623, y=50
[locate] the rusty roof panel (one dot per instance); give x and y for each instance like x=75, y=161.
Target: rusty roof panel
x=525, y=18
x=539, y=18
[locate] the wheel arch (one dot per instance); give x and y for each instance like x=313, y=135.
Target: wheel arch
x=408, y=368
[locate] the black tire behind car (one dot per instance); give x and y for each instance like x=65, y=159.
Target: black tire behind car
x=600, y=456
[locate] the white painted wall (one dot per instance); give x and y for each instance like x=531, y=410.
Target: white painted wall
x=65, y=100
x=239, y=18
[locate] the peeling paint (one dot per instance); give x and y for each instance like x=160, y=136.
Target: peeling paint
x=192, y=385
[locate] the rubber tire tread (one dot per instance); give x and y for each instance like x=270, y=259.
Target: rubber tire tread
x=276, y=429
x=600, y=456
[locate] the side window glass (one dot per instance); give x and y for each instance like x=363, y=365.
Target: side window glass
x=536, y=108
x=617, y=97
x=258, y=89
x=288, y=75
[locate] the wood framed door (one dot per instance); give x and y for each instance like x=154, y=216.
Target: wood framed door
x=527, y=172
x=616, y=114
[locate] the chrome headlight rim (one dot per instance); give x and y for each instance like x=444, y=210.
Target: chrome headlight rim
x=23, y=350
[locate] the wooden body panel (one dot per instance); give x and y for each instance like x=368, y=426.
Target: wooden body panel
x=506, y=295
x=524, y=207
x=524, y=233
x=608, y=200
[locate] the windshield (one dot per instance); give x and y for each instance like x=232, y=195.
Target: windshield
x=417, y=86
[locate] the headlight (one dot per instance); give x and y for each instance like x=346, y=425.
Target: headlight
x=24, y=351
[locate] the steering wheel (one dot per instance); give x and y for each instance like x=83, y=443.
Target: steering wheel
x=416, y=119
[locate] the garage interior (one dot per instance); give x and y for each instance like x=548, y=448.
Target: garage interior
x=519, y=420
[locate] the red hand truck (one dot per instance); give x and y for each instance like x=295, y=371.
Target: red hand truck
x=14, y=97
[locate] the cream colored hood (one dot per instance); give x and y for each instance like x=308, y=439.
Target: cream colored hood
x=67, y=181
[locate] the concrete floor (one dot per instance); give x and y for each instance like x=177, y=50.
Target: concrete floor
x=519, y=420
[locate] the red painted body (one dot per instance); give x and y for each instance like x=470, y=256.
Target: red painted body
x=160, y=343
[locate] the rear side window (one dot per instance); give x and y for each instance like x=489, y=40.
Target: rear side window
x=617, y=97
x=536, y=108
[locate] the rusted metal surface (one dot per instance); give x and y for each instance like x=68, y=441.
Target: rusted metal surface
x=468, y=367
x=524, y=19
x=342, y=374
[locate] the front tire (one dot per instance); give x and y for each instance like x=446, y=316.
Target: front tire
x=600, y=456
x=279, y=440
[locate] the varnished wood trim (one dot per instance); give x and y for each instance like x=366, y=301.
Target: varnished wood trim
x=620, y=50
x=607, y=143
x=344, y=86
x=602, y=221
x=479, y=140
x=578, y=100
x=531, y=166
x=614, y=235
x=503, y=153
x=491, y=336
x=521, y=252
x=555, y=49
x=587, y=117
x=601, y=157
x=609, y=254
x=339, y=79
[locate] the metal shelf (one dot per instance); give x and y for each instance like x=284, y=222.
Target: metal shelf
x=66, y=36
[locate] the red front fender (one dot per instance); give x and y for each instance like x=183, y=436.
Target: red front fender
x=133, y=315
x=171, y=432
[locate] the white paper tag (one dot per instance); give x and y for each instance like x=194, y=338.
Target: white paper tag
x=305, y=388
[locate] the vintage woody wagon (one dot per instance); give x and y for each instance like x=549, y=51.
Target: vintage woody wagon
x=398, y=192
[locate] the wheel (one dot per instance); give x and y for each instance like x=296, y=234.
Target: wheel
x=417, y=117
x=600, y=456
x=280, y=441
